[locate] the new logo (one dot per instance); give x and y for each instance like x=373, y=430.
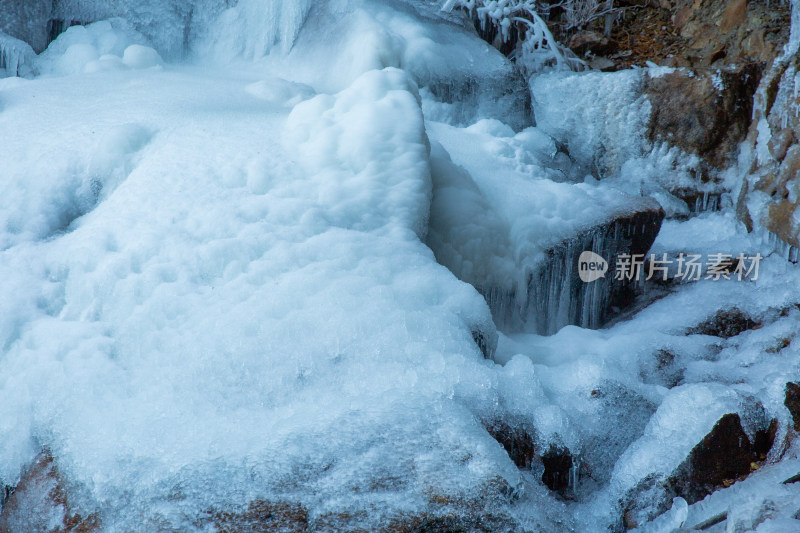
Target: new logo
x=591, y=267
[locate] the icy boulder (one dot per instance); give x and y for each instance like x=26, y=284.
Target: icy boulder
x=654, y=130
x=503, y=223
x=702, y=437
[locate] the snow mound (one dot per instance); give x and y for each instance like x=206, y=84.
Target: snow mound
x=180, y=334
x=280, y=92
x=100, y=46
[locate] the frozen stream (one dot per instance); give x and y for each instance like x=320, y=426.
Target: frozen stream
x=307, y=266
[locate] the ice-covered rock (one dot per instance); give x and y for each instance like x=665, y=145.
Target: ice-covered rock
x=702, y=437
x=671, y=134
x=501, y=222
x=40, y=502
x=769, y=196
x=342, y=39
x=192, y=271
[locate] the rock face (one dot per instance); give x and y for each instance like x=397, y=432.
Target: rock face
x=792, y=403
x=769, y=197
x=701, y=33
x=703, y=112
x=39, y=503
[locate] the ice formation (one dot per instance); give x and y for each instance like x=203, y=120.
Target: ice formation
x=253, y=276
x=533, y=223
x=16, y=57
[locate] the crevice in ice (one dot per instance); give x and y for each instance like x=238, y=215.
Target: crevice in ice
x=486, y=341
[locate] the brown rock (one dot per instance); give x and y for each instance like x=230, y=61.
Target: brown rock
x=733, y=16
x=792, y=403
x=725, y=324
x=517, y=442
x=262, y=516
x=39, y=503
x=724, y=454
x=681, y=17
x=780, y=221
x=591, y=41
x=603, y=64
x=691, y=112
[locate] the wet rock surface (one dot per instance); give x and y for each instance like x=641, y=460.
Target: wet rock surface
x=516, y=441
x=723, y=456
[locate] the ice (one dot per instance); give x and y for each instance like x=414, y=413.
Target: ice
x=97, y=47
x=161, y=338
x=16, y=57
x=532, y=227
x=670, y=521
x=139, y=56
x=601, y=120
x=252, y=28
x=327, y=47
x=221, y=280
x=278, y=91
x=26, y=21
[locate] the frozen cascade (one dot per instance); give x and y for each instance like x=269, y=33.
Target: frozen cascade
x=498, y=223
x=789, y=252
x=706, y=202
x=16, y=57
x=556, y=297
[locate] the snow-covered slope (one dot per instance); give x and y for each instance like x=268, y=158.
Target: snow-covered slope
x=218, y=303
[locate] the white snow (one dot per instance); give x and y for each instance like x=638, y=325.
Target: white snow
x=193, y=270
x=217, y=284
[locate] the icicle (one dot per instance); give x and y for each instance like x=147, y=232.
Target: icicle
x=556, y=297
x=16, y=57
